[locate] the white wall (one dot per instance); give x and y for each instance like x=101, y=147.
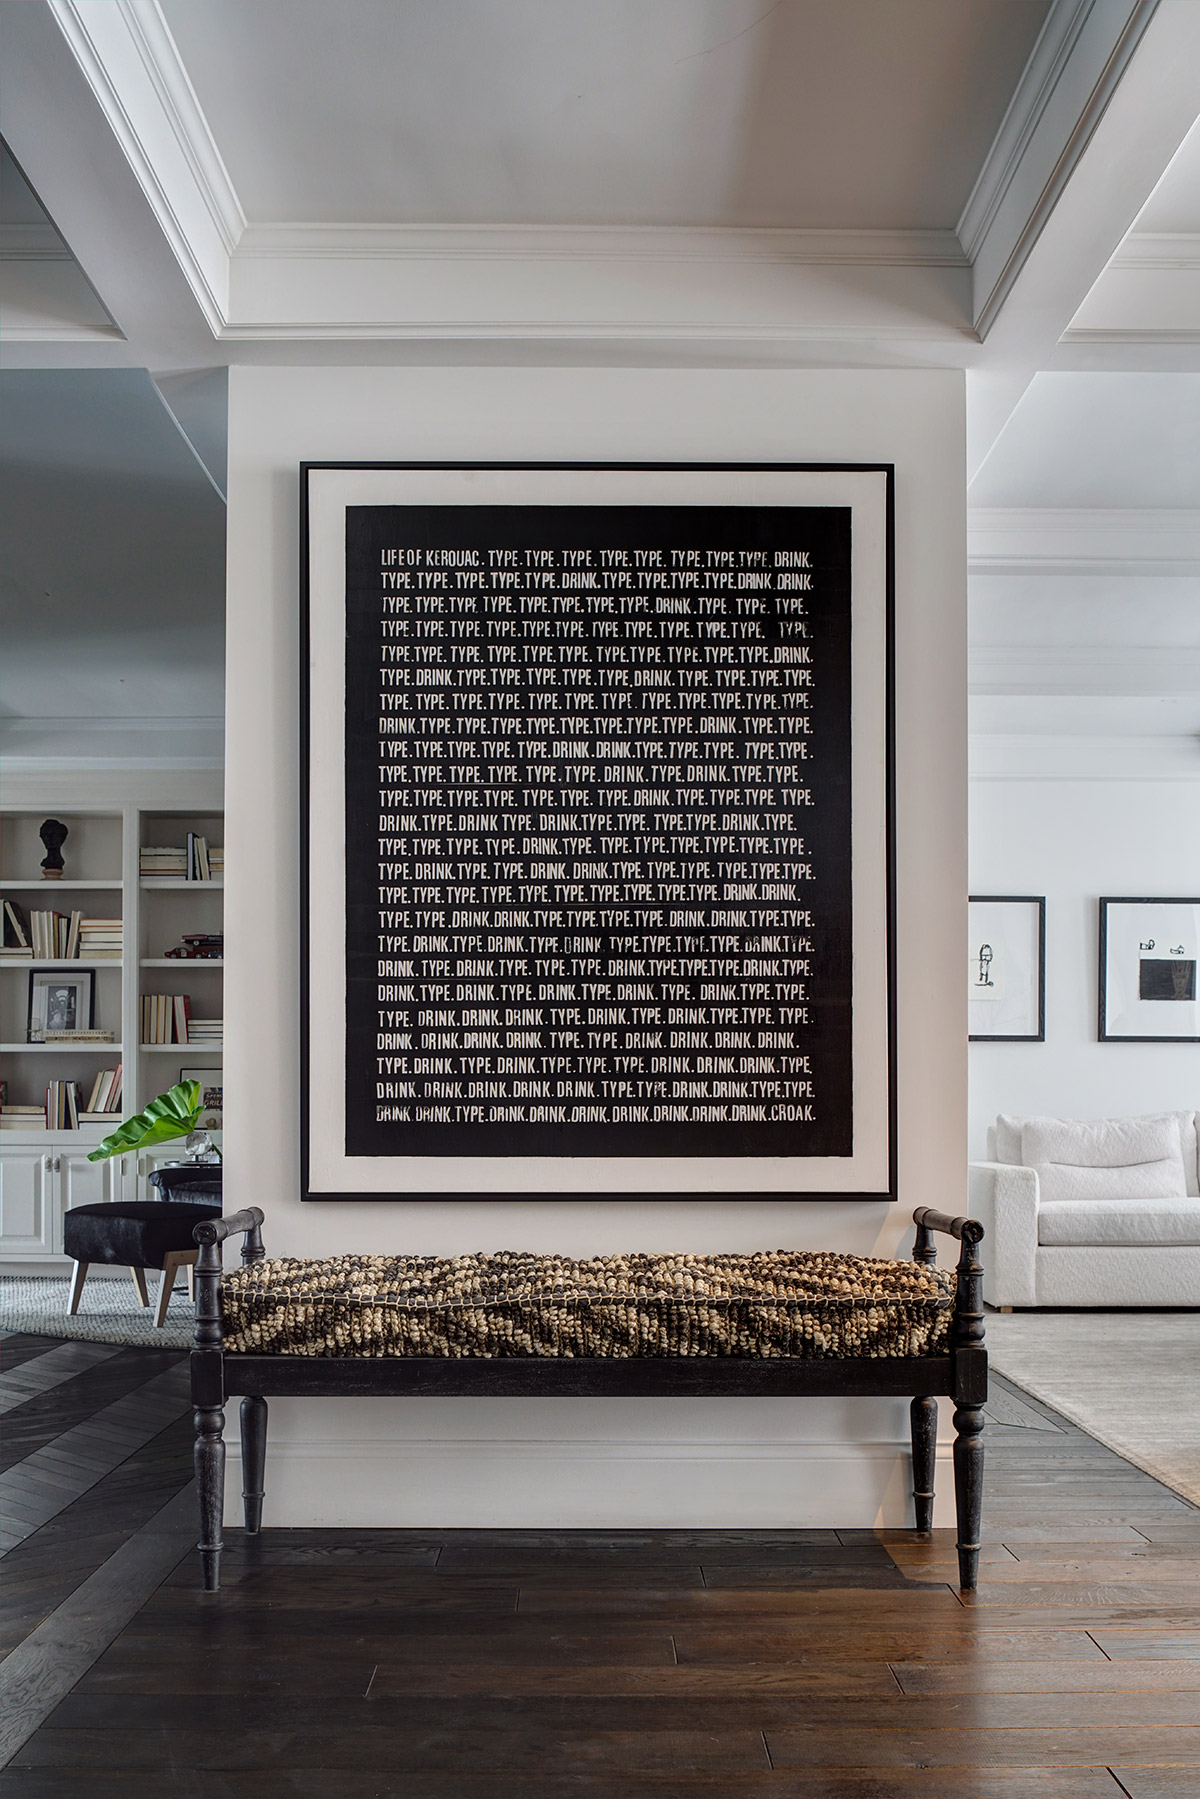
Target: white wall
x=1075, y=840
x=599, y=1462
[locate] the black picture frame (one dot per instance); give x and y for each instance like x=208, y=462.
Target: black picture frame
x=45, y=980
x=881, y=1047
x=1036, y=984
x=1134, y=928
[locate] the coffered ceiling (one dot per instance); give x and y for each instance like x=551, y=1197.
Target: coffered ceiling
x=1011, y=187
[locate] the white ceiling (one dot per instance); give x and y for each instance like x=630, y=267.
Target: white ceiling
x=1098, y=440
x=835, y=113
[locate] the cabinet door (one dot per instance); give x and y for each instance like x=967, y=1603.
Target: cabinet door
x=28, y=1222
x=84, y=1183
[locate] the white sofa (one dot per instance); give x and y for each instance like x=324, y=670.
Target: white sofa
x=1099, y=1212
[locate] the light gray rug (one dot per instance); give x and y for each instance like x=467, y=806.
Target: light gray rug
x=109, y=1312
x=1128, y=1378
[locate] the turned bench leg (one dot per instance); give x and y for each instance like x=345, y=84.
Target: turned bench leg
x=968, y=1490
x=210, y=1490
x=923, y=1413
x=254, y=1458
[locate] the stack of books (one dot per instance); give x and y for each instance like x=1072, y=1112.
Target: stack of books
x=101, y=939
x=198, y=866
x=165, y=1017
x=200, y=945
x=22, y=1118
x=16, y=944
x=104, y=1101
x=206, y=1033
x=62, y=1106
x=54, y=936
x=216, y=861
x=163, y=863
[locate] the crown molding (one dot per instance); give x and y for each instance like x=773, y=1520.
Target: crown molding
x=1083, y=541
x=1033, y=93
x=1163, y=671
x=1076, y=66
x=1159, y=250
x=1047, y=756
x=34, y=242
x=129, y=59
x=623, y=243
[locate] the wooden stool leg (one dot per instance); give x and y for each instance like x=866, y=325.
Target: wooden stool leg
x=139, y=1281
x=968, y=1490
x=78, y=1276
x=254, y=1458
x=166, y=1286
x=923, y=1413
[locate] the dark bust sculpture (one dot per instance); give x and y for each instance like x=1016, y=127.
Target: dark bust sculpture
x=53, y=834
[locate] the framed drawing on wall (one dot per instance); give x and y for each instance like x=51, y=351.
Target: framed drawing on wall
x=597, y=795
x=1149, y=955
x=1006, y=969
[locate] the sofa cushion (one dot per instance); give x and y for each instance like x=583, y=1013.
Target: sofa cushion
x=1008, y=1139
x=1118, y=1223
x=1111, y=1158
x=784, y=1303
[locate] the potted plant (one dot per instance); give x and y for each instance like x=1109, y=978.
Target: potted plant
x=175, y=1113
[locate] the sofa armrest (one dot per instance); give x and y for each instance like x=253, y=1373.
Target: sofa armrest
x=1005, y=1200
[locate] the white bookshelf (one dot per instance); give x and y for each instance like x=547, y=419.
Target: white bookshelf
x=41, y=1171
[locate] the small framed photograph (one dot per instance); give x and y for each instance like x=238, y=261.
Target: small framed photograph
x=60, y=999
x=1149, y=963
x=1006, y=969
x=211, y=1096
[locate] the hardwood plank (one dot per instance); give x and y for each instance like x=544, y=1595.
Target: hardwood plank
x=1082, y=1676
x=1064, y=1747
x=1159, y=1783
x=238, y=1652
x=831, y=1601
x=404, y=1714
x=828, y=1643
x=321, y=1782
x=464, y=1750
x=1149, y=1645
x=668, y=1682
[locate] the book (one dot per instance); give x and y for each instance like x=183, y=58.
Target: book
x=88, y=1036
x=16, y=932
x=182, y=1011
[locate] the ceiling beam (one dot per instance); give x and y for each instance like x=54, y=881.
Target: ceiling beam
x=1108, y=97
x=107, y=142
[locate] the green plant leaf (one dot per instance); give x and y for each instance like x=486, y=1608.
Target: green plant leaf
x=173, y=1114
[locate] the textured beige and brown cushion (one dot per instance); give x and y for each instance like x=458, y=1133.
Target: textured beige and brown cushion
x=781, y=1303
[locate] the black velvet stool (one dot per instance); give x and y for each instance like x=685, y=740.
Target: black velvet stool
x=141, y=1234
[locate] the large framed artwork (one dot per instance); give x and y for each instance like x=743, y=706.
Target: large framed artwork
x=597, y=797
x=1006, y=969
x=1149, y=957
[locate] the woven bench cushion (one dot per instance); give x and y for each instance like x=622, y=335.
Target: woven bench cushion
x=783, y=1303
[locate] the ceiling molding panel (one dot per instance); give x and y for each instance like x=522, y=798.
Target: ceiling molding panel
x=599, y=284
x=1075, y=541
x=130, y=62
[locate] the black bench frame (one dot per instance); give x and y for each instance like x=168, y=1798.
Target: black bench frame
x=219, y=1374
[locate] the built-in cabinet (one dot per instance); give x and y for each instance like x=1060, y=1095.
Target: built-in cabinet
x=43, y=1173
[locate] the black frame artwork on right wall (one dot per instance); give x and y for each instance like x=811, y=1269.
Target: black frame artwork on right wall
x=1149, y=971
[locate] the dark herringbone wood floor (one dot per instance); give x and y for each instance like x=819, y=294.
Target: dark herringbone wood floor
x=528, y=1665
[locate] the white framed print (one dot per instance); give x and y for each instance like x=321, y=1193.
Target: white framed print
x=1006, y=969
x=1149, y=971
x=598, y=781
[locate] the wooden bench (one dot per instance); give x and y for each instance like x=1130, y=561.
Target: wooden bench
x=219, y=1374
